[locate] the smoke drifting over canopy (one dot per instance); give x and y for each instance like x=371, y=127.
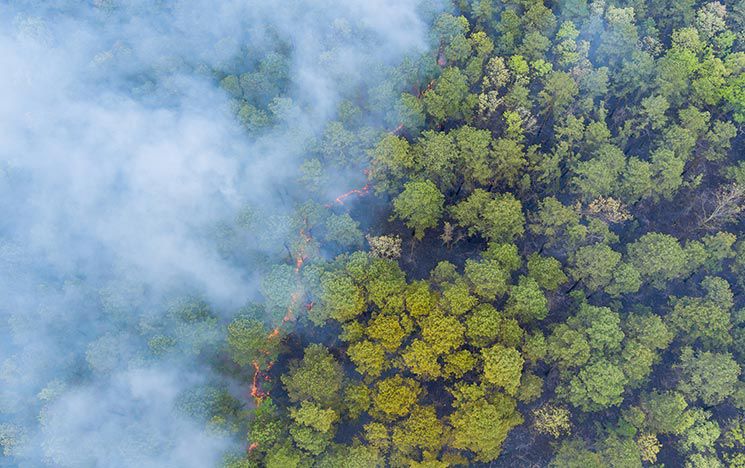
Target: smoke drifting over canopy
x=119, y=159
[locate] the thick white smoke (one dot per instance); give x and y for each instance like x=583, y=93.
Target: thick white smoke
x=118, y=157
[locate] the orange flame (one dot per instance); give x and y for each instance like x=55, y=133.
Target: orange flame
x=287, y=317
x=301, y=257
x=363, y=191
x=441, y=59
x=293, y=302
x=428, y=88
x=256, y=392
x=360, y=191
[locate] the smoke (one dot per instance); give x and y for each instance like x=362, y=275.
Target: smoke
x=120, y=160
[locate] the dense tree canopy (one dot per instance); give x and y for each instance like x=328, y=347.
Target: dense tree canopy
x=555, y=270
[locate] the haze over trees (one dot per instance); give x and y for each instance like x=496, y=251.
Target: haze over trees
x=538, y=260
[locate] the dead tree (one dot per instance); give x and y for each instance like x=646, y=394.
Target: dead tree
x=723, y=206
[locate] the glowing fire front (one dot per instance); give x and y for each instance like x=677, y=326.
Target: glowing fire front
x=259, y=375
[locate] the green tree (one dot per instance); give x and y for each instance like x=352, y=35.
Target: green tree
x=666, y=412
x=559, y=224
x=600, y=175
x=526, y=301
x=503, y=367
x=535, y=347
x=481, y=426
x=595, y=265
x=231, y=84
x=340, y=299
x=317, y=377
x=357, y=399
x=531, y=388
x=313, y=428
x=483, y=325
x=574, y=453
x=250, y=341
x=421, y=359
x=448, y=28
x=712, y=377
x=313, y=415
x=278, y=285
x=567, y=347
x=420, y=431
x=637, y=181
x=265, y=427
x=391, y=161
x=706, y=319
x=600, y=325
x=702, y=435
x=386, y=284
x=487, y=278
x=420, y=206
x=340, y=146
x=410, y=112
x=667, y=173
x=626, y=279
x=506, y=255
x=459, y=363
x=620, y=451
x=620, y=35
x=449, y=99
x=283, y=456
x=596, y=386
x=395, y=397
x=309, y=439
x=457, y=297
x=356, y=456
x=474, y=154
x=443, y=333
x=496, y=217
x=658, y=257
x=436, y=155
x=546, y=271
x=649, y=330
x=420, y=300
x=368, y=357
x=636, y=362
x=509, y=159
x=558, y=93
x=388, y=329
x=343, y=230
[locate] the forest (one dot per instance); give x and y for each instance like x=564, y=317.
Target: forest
x=519, y=242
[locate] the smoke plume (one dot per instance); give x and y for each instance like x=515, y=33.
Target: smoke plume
x=120, y=158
